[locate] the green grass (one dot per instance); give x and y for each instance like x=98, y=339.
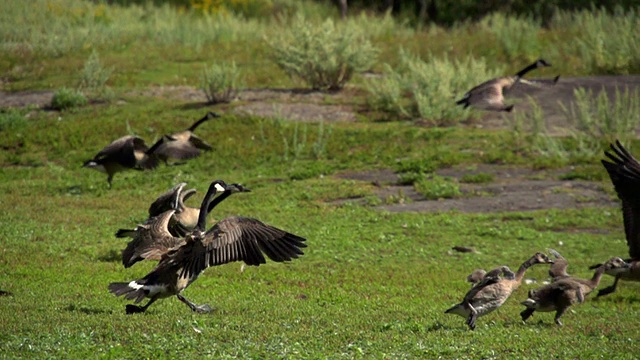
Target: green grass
x=372, y=284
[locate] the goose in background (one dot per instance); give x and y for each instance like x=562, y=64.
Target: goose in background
x=490, y=94
x=127, y=152
x=232, y=239
x=566, y=291
x=182, y=145
x=488, y=296
x=624, y=171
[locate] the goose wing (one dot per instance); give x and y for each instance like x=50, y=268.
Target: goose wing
x=177, y=149
x=240, y=239
x=166, y=201
x=624, y=171
x=199, y=143
x=151, y=240
x=119, y=150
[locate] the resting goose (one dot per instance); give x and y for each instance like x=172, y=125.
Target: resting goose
x=232, y=239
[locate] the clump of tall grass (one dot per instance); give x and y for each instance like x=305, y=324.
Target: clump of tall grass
x=324, y=56
x=605, y=42
x=596, y=118
x=220, y=82
x=427, y=89
x=94, y=77
x=594, y=121
x=517, y=37
x=66, y=98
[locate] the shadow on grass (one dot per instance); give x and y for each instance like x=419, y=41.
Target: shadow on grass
x=110, y=256
x=86, y=310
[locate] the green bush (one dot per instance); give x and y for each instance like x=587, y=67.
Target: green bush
x=66, y=98
x=94, y=77
x=437, y=187
x=606, y=43
x=221, y=82
x=427, y=89
x=325, y=56
x=516, y=37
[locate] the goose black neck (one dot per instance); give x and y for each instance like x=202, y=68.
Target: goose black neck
x=204, y=207
x=197, y=123
x=522, y=72
x=219, y=199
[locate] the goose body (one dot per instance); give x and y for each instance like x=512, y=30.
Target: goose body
x=566, y=291
x=624, y=171
x=182, y=145
x=232, y=239
x=490, y=94
x=489, y=295
x=127, y=152
x=185, y=217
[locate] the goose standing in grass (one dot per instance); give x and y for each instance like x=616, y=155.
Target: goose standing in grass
x=232, y=239
x=489, y=295
x=182, y=145
x=163, y=232
x=624, y=171
x=566, y=291
x=127, y=152
x=185, y=216
x=490, y=94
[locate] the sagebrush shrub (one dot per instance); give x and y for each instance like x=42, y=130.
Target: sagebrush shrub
x=94, y=77
x=220, y=82
x=66, y=98
x=427, y=89
x=324, y=56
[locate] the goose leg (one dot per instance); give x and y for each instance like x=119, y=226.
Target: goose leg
x=473, y=315
x=580, y=296
x=610, y=289
x=526, y=313
x=133, y=309
x=558, y=314
x=197, y=308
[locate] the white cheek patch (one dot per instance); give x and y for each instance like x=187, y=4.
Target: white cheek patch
x=219, y=188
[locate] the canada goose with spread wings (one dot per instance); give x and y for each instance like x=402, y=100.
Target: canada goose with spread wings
x=490, y=94
x=624, y=171
x=127, y=152
x=232, y=239
x=182, y=145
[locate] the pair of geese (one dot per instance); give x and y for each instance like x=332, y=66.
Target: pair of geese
x=131, y=152
x=175, y=235
x=490, y=94
x=493, y=288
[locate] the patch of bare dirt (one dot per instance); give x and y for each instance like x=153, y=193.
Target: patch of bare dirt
x=513, y=189
x=25, y=98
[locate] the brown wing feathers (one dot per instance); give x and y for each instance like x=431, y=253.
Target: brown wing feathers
x=624, y=172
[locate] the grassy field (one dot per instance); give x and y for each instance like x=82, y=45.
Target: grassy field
x=371, y=284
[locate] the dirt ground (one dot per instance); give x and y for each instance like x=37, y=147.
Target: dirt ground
x=513, y=189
